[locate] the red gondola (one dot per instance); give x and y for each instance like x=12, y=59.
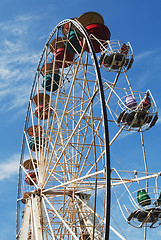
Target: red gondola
x=39, y=111
x=97, y=31
x=32, y=176
x=60, y=53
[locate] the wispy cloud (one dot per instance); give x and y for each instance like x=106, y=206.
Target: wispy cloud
x=9, y=167
x=19, y=26
x=150, y=59
x=159, y=118
x=148, y=69
x=144, y=55
x=18, y=60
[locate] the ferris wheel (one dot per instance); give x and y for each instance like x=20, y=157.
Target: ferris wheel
x=67, y=188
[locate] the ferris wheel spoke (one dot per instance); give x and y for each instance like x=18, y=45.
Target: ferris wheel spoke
x=62, y=220
x=88, y=105
x=65, y=108
x=48, y=219
x=89, y=149
x=93, y=166
x=113, y=86
x=117, y=134
x=75, y=180
x=117, y=233
x=89, y=207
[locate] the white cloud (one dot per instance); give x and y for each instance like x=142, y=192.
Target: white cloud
x=18, y=26
x=159, y=116
x=9, y=168
x=18, y=61
x=125, y=134
x=144, y=55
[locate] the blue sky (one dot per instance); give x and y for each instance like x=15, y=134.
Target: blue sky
x=24, y=29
